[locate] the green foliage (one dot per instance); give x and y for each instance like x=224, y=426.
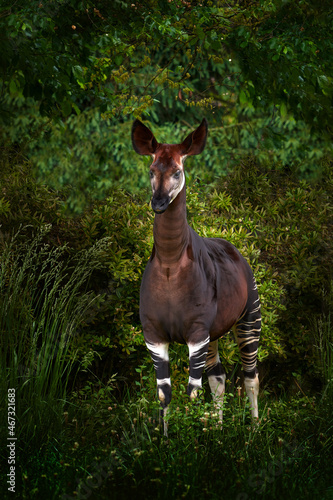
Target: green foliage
x=288, y=55
x=290, y=224
x=260, y=72
x=93, y=155
x=127, y=225
x=42, y=304
x=93, y=166
x=23, y=202
x=89, y=154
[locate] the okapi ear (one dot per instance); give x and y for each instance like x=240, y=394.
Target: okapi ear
x=195, y=143
x=143, y=139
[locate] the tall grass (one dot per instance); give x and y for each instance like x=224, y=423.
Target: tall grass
x=323, y=335
x=42, y=303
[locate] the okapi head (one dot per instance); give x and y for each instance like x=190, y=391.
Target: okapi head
x=166, y=172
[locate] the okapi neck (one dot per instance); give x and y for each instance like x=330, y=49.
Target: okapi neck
x=171, y=231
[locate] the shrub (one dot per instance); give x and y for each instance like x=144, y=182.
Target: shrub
x=291, y=224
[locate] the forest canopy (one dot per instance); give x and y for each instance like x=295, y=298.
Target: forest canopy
x=74, y=74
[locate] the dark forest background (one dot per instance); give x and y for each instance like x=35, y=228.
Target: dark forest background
x=76, y=232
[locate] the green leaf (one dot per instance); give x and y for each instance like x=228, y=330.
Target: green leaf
x=242, y=97
x=283, y=110
x=66, y=107
x=13, y=86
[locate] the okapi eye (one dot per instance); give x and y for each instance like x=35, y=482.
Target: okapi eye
x=151, y=174
x=177, y=174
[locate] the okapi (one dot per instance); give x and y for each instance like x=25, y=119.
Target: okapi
x=193, y=289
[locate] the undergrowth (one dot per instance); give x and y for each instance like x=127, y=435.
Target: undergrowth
x=108, y=449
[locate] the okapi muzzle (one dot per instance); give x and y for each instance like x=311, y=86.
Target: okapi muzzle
x=165, y=186
x=160, y=203
x=194, y=289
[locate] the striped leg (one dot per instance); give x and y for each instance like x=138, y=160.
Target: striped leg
x=197, y=354
x=160, y=357
x=216, y=376
x=247, y=333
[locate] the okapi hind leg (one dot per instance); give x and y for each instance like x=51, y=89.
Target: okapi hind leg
x=252, y=390
x=160, y=357
x=216, y=377
x=247, y=332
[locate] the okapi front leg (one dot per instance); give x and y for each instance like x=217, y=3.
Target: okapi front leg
x=160, y=357
x=216, y=376
x=197, y=354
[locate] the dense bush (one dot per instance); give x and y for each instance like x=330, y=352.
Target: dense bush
x=71, y=339
x=293, y=221
x=280, y=224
